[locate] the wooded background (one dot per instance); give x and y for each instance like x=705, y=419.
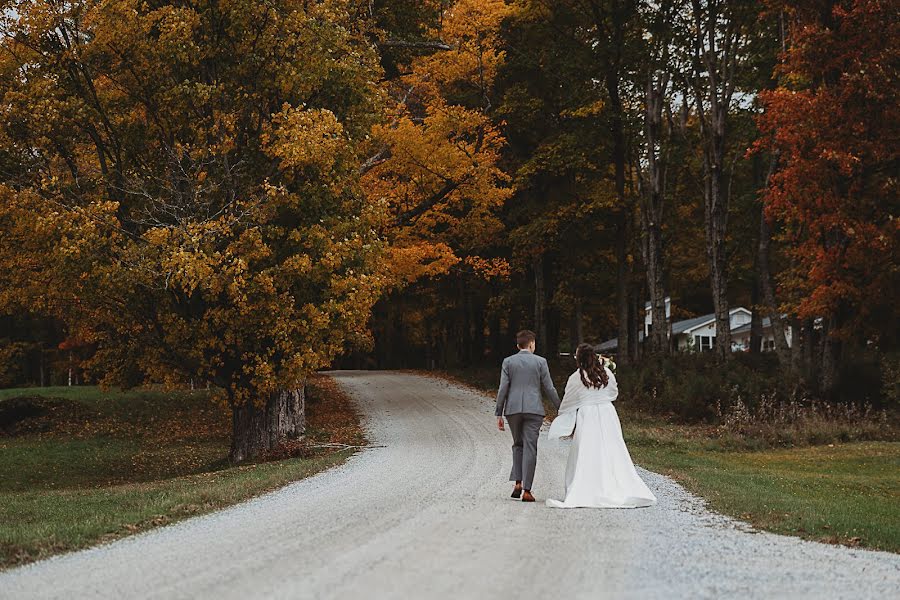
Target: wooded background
x=237, y=193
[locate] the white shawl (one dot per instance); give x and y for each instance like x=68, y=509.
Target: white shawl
x=578, y=395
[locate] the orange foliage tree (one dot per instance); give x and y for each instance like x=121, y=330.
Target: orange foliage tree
x=184, y=181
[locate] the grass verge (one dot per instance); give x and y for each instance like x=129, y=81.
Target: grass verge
x=91, y=466
x=845, y=493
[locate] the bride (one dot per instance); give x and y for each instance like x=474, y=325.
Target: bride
x=599, y=473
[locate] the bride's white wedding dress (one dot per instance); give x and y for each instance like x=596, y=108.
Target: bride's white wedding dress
x=599, y=472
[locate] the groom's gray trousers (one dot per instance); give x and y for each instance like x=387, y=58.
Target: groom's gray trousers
x=525, y=429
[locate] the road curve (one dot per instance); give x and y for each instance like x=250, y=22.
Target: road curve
x=425, y=513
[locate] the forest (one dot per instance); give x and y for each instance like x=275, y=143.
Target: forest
x=236, y=194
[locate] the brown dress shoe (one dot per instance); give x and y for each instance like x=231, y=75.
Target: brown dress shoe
x=517, y=491
x=527, y=497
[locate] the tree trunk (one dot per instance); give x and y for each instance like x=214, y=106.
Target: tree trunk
x=576, y=329
x=623, y=287
x=796, y=346
x=495, y=338
x=659, y=342
x=508, y=347
x=257, y=430
x=554, y=324
x=719, y=283
x=540, y=310
x=652, y=204
x=614, y=48
x=716, y=222
x=832, y=348
x=636, y=322
x=479, y=340
x=810, y=344
x=767, y=287
x=467, y=315
x=756, y=325
x=716, y=43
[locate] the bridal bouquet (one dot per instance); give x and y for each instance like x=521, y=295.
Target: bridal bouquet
x=608, y=362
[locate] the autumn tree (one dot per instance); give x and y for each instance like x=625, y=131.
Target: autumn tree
x=185, y=180
x=612, y=27
x=433, y=161
x=833, y=122
x=664, y=116
x=720, y=31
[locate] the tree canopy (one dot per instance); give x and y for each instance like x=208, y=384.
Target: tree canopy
x=241, y=193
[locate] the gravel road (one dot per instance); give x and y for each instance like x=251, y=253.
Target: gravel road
x=425, y=513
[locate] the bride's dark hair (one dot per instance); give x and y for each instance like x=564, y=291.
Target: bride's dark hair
x=593, y=374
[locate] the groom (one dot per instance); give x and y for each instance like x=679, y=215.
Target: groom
x=522, y=377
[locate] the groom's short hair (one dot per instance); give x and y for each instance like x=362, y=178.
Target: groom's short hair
x=524, y=337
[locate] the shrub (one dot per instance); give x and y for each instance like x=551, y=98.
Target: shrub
x=689, y=387
x=749, y=398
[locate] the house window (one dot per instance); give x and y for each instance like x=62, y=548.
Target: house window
x=704, y=343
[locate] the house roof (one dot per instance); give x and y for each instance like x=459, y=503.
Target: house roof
x=613, y=344
x=607, y=345
x=687, y=324
x=766, y=322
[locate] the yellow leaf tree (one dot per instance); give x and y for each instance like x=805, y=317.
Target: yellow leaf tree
x=434, y=160
x=181, y=183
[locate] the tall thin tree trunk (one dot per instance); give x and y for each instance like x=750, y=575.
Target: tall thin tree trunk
x=652, y=203
x=623, y=299
x=576, y=329
x=635, y=323
x=659, y=342
x=554, y=324
x=614, y=49
x=478, y=337
x=495, y=338
x=832, y=348
x=716, y=220
x=767, y=287
x=257, y=430
x=540, y=310
x=717, y=31
x=796, y=346
x=512, y=328
x=466, y=309
x=756, y=324
x=809, y=348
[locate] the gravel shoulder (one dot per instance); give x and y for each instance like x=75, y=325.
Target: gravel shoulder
x=425, y=513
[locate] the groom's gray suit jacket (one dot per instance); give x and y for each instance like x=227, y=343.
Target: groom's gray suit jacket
x=521, y=379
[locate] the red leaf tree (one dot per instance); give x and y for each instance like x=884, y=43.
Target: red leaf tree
x=833, y=123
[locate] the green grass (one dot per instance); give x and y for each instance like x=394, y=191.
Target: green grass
x=35, y=524
x=839, y=493
x=109, y=464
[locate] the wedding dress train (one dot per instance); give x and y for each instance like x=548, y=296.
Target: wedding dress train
x=599, y=471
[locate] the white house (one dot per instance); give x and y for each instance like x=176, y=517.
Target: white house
x=740, y=337
x=699, y=333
